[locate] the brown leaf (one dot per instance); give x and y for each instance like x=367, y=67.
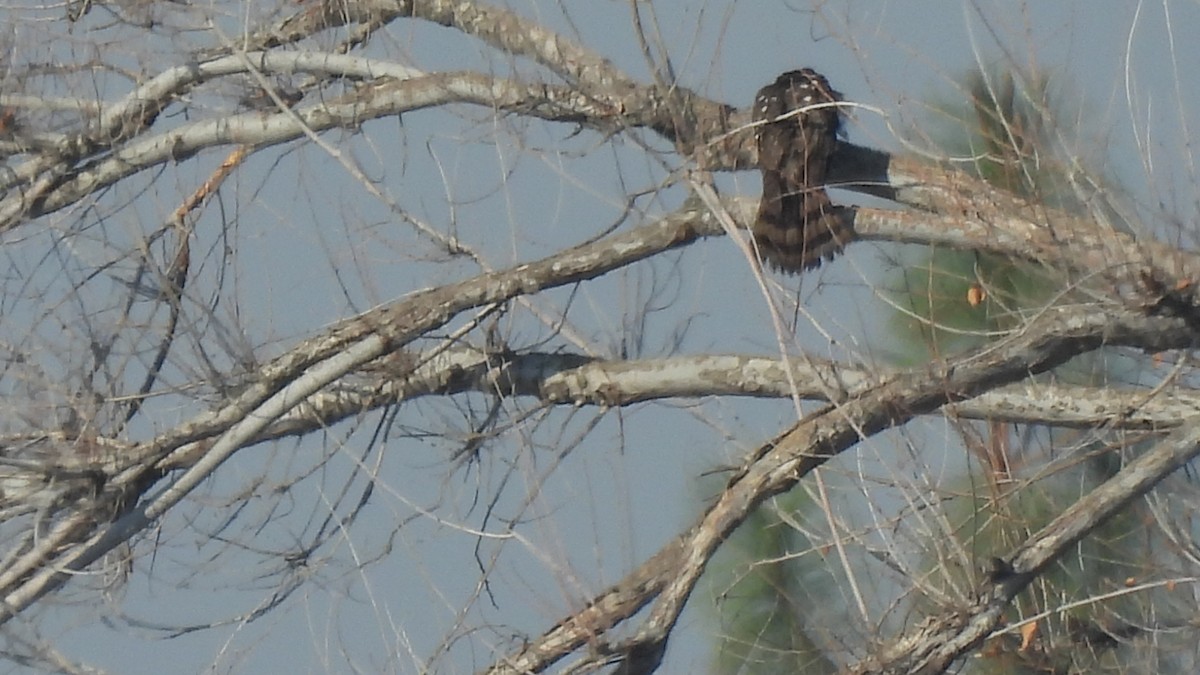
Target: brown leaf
x=976, y=295
x=1028, y=633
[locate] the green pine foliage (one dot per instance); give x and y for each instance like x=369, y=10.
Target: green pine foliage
x=764, y=584
x=953, y=300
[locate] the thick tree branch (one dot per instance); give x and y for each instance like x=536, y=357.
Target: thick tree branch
x=500, y=28
x=574, y=379
x=953, y=207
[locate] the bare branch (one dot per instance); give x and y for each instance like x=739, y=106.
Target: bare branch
x=575, y=379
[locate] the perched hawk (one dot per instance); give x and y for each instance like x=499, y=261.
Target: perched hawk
x=797, y=226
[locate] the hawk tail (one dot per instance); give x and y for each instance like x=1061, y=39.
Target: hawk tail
x=798, y=232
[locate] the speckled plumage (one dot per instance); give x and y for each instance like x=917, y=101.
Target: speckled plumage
x=797, y=226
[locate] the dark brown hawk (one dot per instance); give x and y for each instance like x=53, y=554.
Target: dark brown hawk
x=796, y=131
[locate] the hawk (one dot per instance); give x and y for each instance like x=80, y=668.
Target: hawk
x=796, y=126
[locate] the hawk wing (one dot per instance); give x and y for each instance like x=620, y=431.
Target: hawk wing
x=773, y=137
x=797, y=227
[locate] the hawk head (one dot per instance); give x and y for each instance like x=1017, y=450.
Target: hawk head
x=802, y=93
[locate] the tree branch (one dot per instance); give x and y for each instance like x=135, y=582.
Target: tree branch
x=575, y=379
